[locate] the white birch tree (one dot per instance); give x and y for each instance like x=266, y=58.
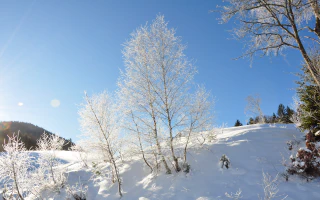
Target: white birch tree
x=156, y=82
x=156, y=85
x=99, y=122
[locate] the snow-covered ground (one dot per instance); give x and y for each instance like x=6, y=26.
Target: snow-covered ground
x=252, y=150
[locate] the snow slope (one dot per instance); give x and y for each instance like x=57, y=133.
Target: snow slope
x=251, y=149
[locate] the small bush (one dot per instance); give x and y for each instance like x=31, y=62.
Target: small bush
x=77, y=191
x=235, y=196
x=186, y=167
x=225, y=161
x=285, y=175
x=306, y=162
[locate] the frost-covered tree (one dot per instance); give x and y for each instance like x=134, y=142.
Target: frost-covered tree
x=138, y=103
x=156, y=83
x=49, y=171
x=271, y=26
x=99, y=122
x=15, y=169
x=296, y=116
x=82, y=155
x=253, y=107
x=198, y=116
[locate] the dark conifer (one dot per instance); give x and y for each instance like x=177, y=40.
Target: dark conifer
x=238, y=123
x=281, y=113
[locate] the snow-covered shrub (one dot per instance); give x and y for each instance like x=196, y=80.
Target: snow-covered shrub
x=306, y=161
x=270, y=188
x=235, y=196
x=225, y=161
x=49, y=172
x=77, y=191
x=15, y=169
x=186, y=167
x=212, y=135
x=285, y=175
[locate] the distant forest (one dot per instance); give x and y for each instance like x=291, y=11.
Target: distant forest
x=29, y=134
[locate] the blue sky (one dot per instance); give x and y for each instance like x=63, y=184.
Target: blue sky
x=55, y=50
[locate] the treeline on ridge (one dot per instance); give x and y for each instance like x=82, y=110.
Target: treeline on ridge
x=29, y=134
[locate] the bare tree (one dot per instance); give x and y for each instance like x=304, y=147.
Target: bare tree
x=253, y=107
x=100, y=126
x=270, y=26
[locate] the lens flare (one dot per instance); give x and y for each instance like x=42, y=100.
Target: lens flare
x=55, y=103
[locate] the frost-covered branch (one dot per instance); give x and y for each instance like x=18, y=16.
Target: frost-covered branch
x=271, y=26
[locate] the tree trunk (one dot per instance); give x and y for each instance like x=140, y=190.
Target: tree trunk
x=143, y=156
x=312, y=69
x=176, y=163
x=168, y=170
x=52, y=174
x=16, y=182
x=140, y=143
x=186, y=147
x=117, y=175
x=155, y=132
x=316, y=11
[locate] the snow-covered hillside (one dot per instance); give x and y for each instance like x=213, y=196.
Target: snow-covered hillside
x=252, y=150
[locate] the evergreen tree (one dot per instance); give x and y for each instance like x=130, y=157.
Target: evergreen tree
x=251, y=121
x=309, y=94
x=289, y=113
x=238, y=123
x=274, y=118
x=281, y=113
x=310, y=109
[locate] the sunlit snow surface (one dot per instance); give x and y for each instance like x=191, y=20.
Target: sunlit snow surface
x=252, y=150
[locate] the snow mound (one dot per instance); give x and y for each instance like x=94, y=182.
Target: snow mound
x=251, y=149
